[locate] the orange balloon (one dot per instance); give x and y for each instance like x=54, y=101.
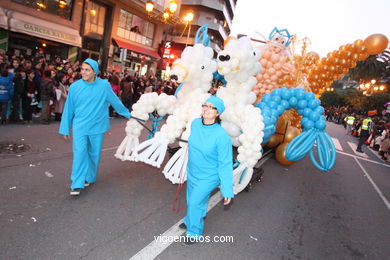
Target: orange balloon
x=313, y=55
x=291, y=133
x=228, y=39
x=280, y=154
x=376, y=43
x=274, y=140
x=358, y=43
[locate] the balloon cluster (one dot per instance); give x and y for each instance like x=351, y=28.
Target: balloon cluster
x=274, y=104
x=337, y=63
x=148, y=103
x=276, y=65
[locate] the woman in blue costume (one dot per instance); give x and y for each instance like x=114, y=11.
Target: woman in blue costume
x=86, y=111
x=209, y=166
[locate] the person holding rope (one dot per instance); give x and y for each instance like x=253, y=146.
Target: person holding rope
x=210, y=164
x=86, y=111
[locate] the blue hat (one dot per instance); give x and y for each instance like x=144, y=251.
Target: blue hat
x=94, y=65
x=217, y=103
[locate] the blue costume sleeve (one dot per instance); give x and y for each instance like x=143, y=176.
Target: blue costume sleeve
x=67, y=114
x=117, y=104
x=225, y=166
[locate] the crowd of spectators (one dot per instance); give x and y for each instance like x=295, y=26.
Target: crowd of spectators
x=379, y=139
x=32, y=87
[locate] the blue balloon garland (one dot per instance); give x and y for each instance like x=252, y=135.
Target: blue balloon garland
x=313, y=123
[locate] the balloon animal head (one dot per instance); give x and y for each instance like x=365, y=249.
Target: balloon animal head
x=239, y=60
x=195, y=67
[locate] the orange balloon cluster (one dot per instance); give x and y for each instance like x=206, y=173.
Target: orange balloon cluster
x=287, y=128
x=275, y=64
x=337, y=63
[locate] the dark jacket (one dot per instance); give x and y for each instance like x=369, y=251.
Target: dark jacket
x=47, y=89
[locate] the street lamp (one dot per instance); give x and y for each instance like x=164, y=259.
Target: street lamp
x=149, y=6
x=172, y=6
x=188, y=19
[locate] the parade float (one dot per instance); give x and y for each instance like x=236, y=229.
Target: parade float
x=269, y=98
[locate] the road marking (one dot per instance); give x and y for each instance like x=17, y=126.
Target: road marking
x=374, y=185
x=156, y=247
x=337, y=144
x=353, y=147
x=375, y=153
x=362, y=158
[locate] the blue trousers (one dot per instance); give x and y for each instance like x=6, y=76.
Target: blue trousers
x=86, y=156
x=198, y=194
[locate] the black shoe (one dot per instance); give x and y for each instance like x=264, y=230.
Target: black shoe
x=75, y=192
x=86, y=184
x=359, y=151
x=183, y=226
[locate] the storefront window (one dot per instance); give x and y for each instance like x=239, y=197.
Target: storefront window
x=94, y=22
x=134, y=28
x=62, y=8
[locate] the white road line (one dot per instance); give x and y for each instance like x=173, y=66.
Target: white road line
x=353, y=147
x=374, y=185
x=362, y=158
x=374, y=153
x=156, y=247
x=337, y=144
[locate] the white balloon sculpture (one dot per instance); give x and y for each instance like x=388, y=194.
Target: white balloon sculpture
x=238, y=62
x=195, y=71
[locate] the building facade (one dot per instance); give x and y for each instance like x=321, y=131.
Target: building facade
x=120, y=34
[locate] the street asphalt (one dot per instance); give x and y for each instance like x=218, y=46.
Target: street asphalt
x=296, y=212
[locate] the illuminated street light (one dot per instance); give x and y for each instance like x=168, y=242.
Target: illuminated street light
x=381, y=88
x=149, y=6
x=373, y=81
x=189, y=17
x=172, y=6
x=93, y=12
x=376, y=88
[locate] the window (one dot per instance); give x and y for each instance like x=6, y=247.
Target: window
x=135, y=28
x=62, y=8
x=94, y=19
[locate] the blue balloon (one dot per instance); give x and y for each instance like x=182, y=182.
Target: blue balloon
x=272, y=104
x=320, y=125
x=280, y=109
x=314, y=103
x=293, y=101
x=293, y=92
x=261, y=105
x=320, y=110
x=307, y=112
x=273, y=120
x=302, y=104
x=309, y=125
x=304, y=120
x=285, y=94
x=266, y=120
x=300, y=111
x=276, y=92
x=323, y=118
x=266, y=112
x=274, y=113
x=314, y=117
x=300, y=94
x=310, y=96
x=285, y=104
x=276, y=99
x=266, y=98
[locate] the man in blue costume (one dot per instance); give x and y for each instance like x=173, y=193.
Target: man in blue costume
x=210, y=164
x=86, y=111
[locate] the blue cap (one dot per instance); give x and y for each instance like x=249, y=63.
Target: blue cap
x=217, y=103
x=94, y=65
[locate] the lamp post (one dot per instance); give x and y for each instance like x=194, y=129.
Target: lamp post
x=370, y=87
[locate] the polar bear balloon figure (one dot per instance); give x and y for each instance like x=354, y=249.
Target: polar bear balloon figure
x=238, y=62
x=195, y=71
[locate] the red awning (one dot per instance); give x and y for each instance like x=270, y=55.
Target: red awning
x=137, y=48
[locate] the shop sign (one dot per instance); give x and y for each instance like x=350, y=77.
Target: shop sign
x=167, y=50
x=49, y=32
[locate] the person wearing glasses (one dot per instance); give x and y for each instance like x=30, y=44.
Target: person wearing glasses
x=210, y=164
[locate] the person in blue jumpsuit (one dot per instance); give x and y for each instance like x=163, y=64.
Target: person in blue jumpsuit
x=210, y=164
x=86, y=111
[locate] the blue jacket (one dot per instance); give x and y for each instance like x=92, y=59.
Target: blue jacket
x=86, y=107
x=210, y=156
x=6, y=87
